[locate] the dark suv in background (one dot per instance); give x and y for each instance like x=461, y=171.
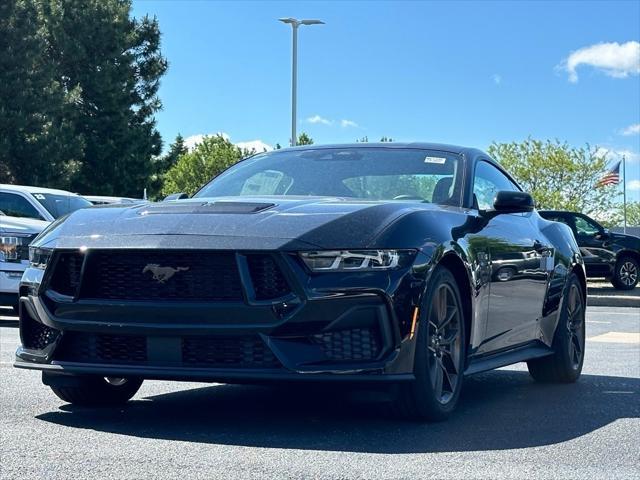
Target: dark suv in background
x=615, y=256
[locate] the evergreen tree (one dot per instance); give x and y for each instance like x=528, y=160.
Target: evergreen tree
x=38, y=144
x=304, y=139
x=116, y=64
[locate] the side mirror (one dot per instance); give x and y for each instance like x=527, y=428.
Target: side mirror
x=605, y=233
x=507, y=201
x=175, y=196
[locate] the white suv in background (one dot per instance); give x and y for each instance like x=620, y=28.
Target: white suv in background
x=24, y=213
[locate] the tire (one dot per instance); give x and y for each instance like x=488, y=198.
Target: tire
x=98, y=391
x=627, y=271
x=440, y=354
x=565, y=365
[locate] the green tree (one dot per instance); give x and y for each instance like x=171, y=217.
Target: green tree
x=304, y=139
x=161, y=165
x=195, y=168
x=38, y=143
x=386, y=139
x=114, y=61
x=558, y=176
x=633, y=214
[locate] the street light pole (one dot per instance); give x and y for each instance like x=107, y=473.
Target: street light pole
x=295, y=23
x=294, y=85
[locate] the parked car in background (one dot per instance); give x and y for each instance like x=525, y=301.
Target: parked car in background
x=351, y=263
x=15, y=236
x=38, y=203
x=615, y=256
x=102, y=200
x=26, y=211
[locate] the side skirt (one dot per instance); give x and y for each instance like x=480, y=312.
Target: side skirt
x=509, y=357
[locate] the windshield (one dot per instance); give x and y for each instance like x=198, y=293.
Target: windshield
x=354, y=172
x=59, y=205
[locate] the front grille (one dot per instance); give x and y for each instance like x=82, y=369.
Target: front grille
x=66, y=276
x=159, y=275
x=247, y=351
x=100, y=348
x=351, y=344
x=268, y=280
x=236, y=352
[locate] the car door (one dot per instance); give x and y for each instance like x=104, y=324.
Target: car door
x=519, y=277
x=598, y=256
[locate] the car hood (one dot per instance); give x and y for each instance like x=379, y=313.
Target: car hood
x=26, y=226
x=233, y=223
x=629, y=241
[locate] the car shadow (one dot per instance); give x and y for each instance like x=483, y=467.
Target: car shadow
x=498, y=410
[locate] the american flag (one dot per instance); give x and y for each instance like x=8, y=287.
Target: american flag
x=612, y=177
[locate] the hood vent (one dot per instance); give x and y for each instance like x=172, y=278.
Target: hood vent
x=203, y=208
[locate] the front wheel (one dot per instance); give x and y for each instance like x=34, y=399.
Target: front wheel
x=565, y=365
x=98, y=391
x=625, y=276
x=439, y=356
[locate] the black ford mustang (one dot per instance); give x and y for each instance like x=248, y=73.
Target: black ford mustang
x=412, y=265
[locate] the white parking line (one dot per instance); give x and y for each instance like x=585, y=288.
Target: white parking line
x=617, y=337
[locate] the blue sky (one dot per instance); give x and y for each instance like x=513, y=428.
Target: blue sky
x=455, y=72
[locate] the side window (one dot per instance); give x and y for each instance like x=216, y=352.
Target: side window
x=585, y=228
x=15, y=205
x=560, y=219
x=488, y=181
x=269, y=182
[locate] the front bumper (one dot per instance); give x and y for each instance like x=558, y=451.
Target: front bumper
x=332, y=328
x=10, y=275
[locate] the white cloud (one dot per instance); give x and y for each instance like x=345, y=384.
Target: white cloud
x=631, y=130
x=251, y=145
x=614, y=59
x=348, y=123
x=497, y=79
x=319, y=119
x=193, y=140
x=257, y=146
x=633, y=185
x=617, y=154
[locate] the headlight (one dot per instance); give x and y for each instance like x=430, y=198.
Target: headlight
x=9, y=248
x=356, y=260
x=39, y=257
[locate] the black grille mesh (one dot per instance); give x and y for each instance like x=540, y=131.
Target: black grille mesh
x=268, y=280
x=37, y=336
x=66, y=277
x=161, y=275
x=100, y=348
x=351, y=344
x=238, y=352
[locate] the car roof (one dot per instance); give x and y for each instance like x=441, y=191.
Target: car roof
x=560, y=212
x=456, y=149
x=30, y=189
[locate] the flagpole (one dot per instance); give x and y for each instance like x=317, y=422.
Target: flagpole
x=624, y=192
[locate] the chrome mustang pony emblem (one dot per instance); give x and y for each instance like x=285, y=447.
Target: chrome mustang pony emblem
x=162, y=274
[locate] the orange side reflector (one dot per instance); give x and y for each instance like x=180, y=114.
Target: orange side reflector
x=413, y=322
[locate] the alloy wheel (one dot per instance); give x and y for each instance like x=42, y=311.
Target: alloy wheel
x=444, y=343
x=628, y=273
x=575, y=325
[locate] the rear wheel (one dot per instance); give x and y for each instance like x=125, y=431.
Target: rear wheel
x=625, y=276
x=565, y=365
x=98, y=391
x=440, y=353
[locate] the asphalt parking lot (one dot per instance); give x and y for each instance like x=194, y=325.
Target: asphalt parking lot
x=506, y=426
